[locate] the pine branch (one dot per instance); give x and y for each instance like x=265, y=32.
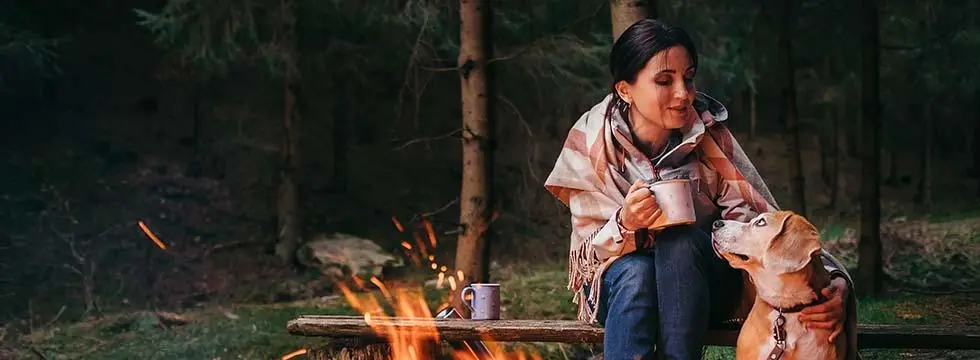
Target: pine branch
x=561, y=30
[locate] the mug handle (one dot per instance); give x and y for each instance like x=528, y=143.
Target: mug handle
x=462, y=295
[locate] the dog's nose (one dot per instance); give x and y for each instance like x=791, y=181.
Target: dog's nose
x=718, y=224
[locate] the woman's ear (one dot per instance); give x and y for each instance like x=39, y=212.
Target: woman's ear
x=623, y=90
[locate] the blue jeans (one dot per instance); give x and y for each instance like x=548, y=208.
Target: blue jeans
x=660, y=299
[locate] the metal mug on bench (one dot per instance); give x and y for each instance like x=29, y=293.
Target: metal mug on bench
x=485, y=301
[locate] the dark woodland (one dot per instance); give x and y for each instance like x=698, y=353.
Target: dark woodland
x=178, y=178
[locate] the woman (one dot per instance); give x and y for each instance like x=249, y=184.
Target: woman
x=660, y=289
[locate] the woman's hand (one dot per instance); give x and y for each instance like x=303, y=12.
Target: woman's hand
x=640, y=208
x=829, y=315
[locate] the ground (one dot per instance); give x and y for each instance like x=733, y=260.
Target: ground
x=233, y=297
x=257, y=331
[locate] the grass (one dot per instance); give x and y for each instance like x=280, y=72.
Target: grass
x=529, y=291
x=238, y=333
x=257, y=332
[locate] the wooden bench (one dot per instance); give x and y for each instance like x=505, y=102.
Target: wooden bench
x=353, y=331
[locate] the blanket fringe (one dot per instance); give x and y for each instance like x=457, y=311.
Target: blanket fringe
x=584, y=267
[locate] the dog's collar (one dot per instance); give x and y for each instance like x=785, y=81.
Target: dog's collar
x=795, y=309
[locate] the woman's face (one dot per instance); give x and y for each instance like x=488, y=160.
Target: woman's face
x=663, y=93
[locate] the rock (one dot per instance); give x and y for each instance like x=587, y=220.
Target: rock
x=344, y=255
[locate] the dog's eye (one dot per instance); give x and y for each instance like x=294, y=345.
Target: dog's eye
x=742, y=257
x=760, y=222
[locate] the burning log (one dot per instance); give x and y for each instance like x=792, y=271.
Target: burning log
x=350, y=349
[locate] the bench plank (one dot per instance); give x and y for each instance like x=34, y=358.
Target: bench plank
x=571, y=331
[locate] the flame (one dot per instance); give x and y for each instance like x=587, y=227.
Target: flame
x=294, y=354
x=411, y=330
x=407, y=302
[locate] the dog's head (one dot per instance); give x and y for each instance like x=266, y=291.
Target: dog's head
x=769, y=245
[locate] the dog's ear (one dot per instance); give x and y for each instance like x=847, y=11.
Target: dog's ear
x=794, y=246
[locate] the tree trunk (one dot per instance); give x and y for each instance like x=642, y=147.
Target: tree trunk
x=753, y=114
x=625, y=13
x=837, y=154
x=289, y=171
x=892, y=178
x=737, y=110
x=826, y=136
x=195, y=166
x=924, y=194
x=854, y=137
x=976, y=137
x=870, y=273
x=828, y=131
x=789, y=111
x=476, y=138
x=651, y=8
x=343, y=117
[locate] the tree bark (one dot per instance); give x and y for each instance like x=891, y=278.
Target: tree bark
x=476, y=139
x=838, y=154
x=195, y=166
x=924, y=194
x=870, y=273
x=826, y=137
x=892, y=179
x=976, y=137
x=789, y=110
x=828, y=131
x=343, y=118
x=288, y=215
x=626, y=12
x=753, y=114
x=855, y=134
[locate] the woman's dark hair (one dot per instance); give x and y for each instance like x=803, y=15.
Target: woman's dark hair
x=637, y=45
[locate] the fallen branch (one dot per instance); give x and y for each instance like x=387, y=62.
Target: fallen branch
x=38, y=353
x=226, y=246
x=58, y=315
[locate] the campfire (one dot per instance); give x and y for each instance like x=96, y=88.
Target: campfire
x=403, y=301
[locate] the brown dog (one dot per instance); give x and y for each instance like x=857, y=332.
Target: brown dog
x=780, y=252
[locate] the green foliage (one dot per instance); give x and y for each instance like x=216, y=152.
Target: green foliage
x=364, y=37
x=724, y=33
x=217, y=34
x=24, y=52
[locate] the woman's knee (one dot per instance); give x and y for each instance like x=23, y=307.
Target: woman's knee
x=634, y=268
x=683, y=242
